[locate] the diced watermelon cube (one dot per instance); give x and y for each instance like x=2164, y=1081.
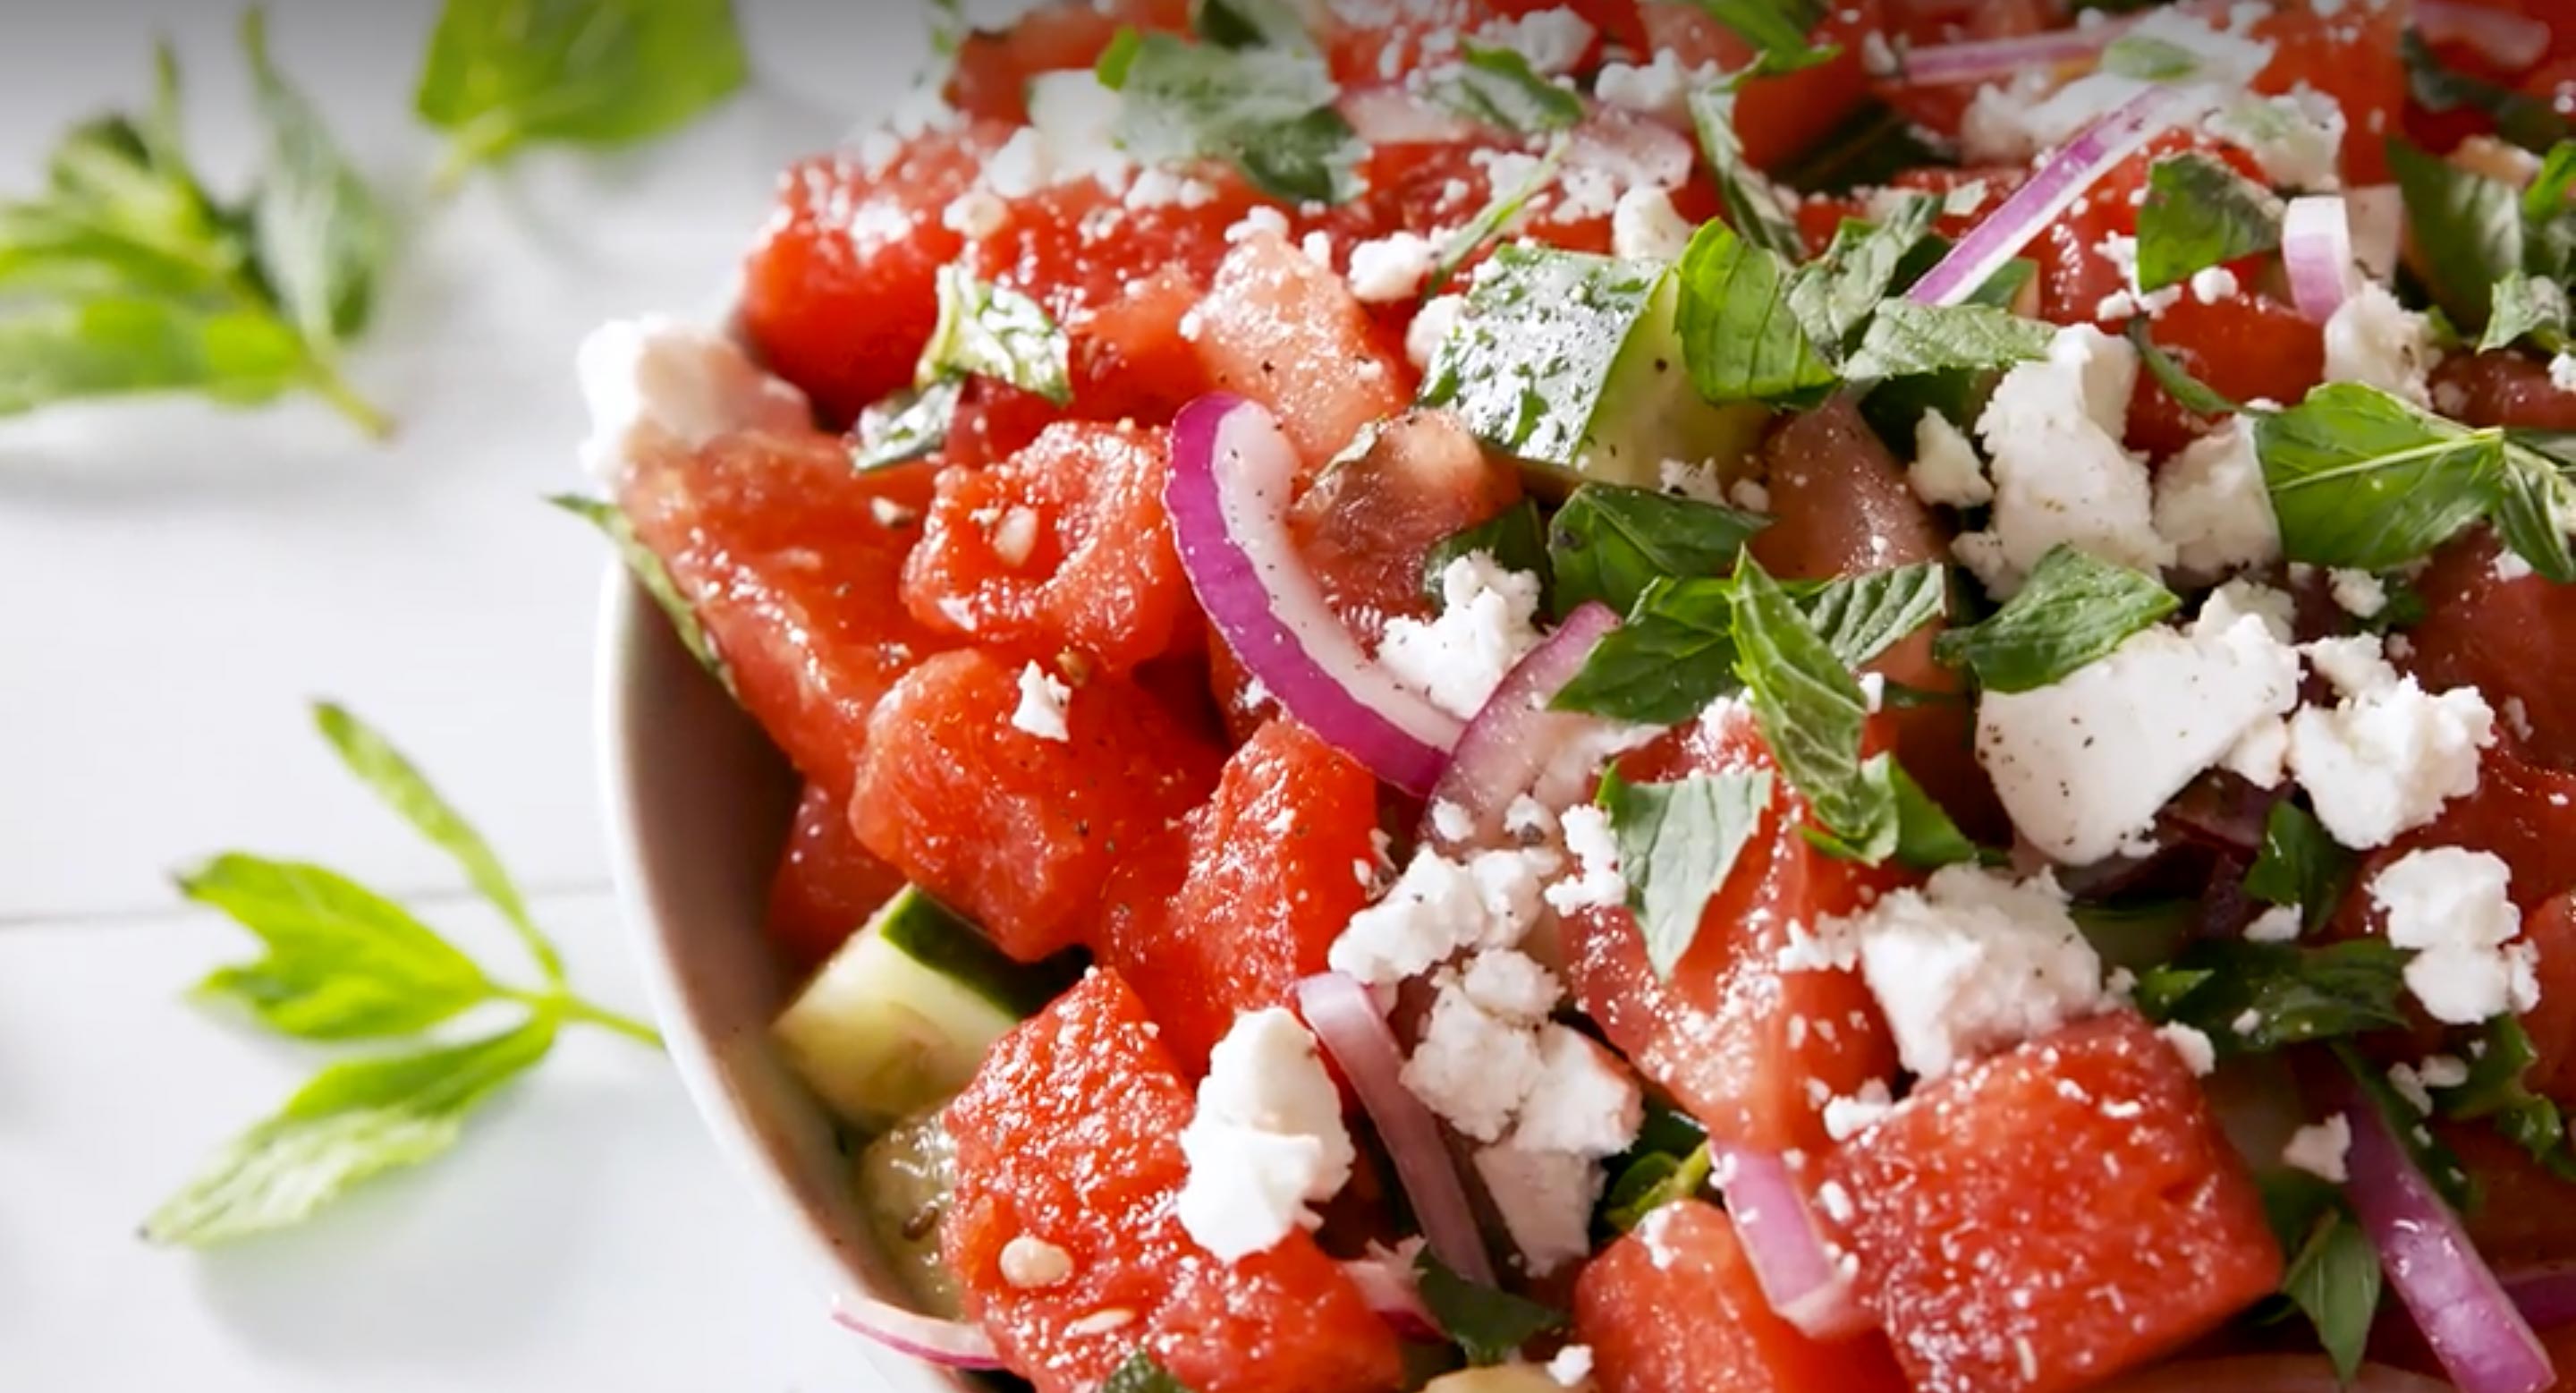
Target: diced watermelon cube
x=1674, y=1307
x=791, y=561
x=1016, y=830
x=1070, y=1136
x=827, y=884
x=1367, y=526
x=2043, y=1220
x=1268, y=873
x=1280, y=330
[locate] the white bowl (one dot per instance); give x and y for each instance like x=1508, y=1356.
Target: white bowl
x=698, y=803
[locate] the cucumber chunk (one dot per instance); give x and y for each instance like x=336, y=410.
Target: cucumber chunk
x=900, y=1017
x=904, y=1180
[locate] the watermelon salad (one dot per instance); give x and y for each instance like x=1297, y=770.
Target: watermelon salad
x=1671, y=696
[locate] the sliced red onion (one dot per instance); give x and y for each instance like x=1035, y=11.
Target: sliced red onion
x=2545, y=1295
x=1798, y=1275
x=2060, y=181
x=2316, y=251
x=1392, y=115
x=1389, y=1290
x=2463, y=1312
x=1508, y=746
x=950, y=1344
x=1346, y=1022
x=2271, y=1373
x=1232, y=472
x=2001, y=60
x=2514, y=43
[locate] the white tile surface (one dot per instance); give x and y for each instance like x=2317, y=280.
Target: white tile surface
x=583, y=1236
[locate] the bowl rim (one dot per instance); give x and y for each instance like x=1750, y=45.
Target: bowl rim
x=629, y=631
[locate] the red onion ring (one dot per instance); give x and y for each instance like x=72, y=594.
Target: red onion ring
x=1997, y=60
x=2063, y=179
x=1508, y=745
x=2545, y=1295
x=2482, y=1340
x=2514, y=43
x=1232, y=472
x=1346, y=1022
x=2316, y=251
x=1796, y=1272
x=950, y=1344
x=2271, y=1373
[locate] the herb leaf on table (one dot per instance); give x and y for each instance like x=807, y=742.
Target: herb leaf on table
x=346, y=963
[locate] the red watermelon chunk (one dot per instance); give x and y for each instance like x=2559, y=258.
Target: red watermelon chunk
x=791, y=561
x=1016, y=830
x=1265, y=877
x=2042, y=1221
x=827, y=884
x=1675, y=1308
x=1285, y=332
x=1070, y=1137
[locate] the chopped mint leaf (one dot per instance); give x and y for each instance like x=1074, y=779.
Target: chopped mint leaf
x=1252, y=24
x=1515, y=538
x=1141, y=1374
x=2254, y=998
x=2548, y=228
x=1527, y=366
x=1777, y=29
x=2200, y=213
x=2300, y=866
x=2438, y=1163
x=1904, y=339
x=1926, y=837
x=1677, y=844
x=1835, y=295
x=1652, y=1181
x=1498, y=87
x=1811, y=711
x=505, y=74
x=1753, y=206
x=2072, y=613
x=1490, y=220
x=2527, y=306
x=2189, y=392
x=1863, y=615
x=1740, y=340
x=909, y=424
x=343, y=963
x=2147, y=58
x=649, y=572
x=987, y=330
x=2363, y=480
x=1490, y=1325
x=2498, y=1092
x=1268, y=111
x=1610, y=543
x=2468, y=226
x=2334, y=1280
x=2531, y=511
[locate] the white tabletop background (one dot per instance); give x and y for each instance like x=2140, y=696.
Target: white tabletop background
x=182, y=579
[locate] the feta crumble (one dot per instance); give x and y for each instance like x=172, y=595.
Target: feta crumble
x=1596, y=883
x=1438, y=908
x=2375, y=341
x=1946, y=471
x=1267, y=1141
x=1974, y=962
x=2198, y=1054
x=1644, y=226
x=1571, y=1366
x=2452, y=907
x=1583, y=1100
x=1391, y=268
x=1485, y=628
x=1430, y=328
x=1846, y=1118
x=1043, y=700
x=1553, y=41
x=2052, y=432
x=2562, y=372
x=2387, y=756
x=1659, y=88
x=2358, y=593
x=1472, y=1067
x=2279, y=924
x=2212, y=506
x=1033, y=1263
x=2320, y=1148
x=1545, y=1199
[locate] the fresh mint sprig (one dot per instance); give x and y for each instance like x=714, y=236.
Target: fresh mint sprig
x=344, y=963
x=126, y=275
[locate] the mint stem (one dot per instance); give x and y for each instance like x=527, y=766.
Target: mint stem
x=564, y=1006
x=335, y=389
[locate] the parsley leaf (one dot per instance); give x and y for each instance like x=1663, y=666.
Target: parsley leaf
x=505, y=74
x=1516, y=538
x=1740, y=339
x=1142, y=1374
x=2253, y=998
x=1267, y=111
x=1753, y=206
x=1498, y=87
x=2300, y=865
x=2527, y=306
x=649, y=572
x=2073, y=611
x=343, y=963
x=1490, y=220
x=1811, y=712
x=909, y=424
x=1654, y=1180
x=1777, y=29
x=1610, y=543
x=1489, y=1324
x=2468, y=227
x=1677, y=844
x=2361, y=479
x=987, y=330
x=2201, y=213
x=2334, y=1279
x=1905, y=339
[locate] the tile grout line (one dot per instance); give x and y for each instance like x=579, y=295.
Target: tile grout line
x=423, y=901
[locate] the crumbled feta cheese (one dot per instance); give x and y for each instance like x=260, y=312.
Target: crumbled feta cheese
x=1510, y=985
x=1430, y=328
x=2452, y=907
x=2296, y=139
x=1450, y=822
x=2444, y=1070
x=1545, y=1199
x=1042, y=705
x=1572, y=1366
x=1973, y=962
x=1157, y=187
x=1258, y=221
x=1846, y=1118
x=655, y=384
x=2359, y=593
x=2389, y=755
x=1644, y=226
x=1659, y=88
x=1033, y=1263
x=1506, y=169
x=1071, y=135
x=1439, y=908
x=1528, y=820
x=1318, y=248
x=2198, y=1054
x=2410, y=1086
x=2562, y=372
x=1485, y=627
x=1946, y=470
x=1472, y=1067
x=1553, y=41
x=2211, y=504
x=2060, y=473
x=2279, y=924
x=1583, y=1101
x=1750, y=495
x=2211, y=284
x=1392, y=267
x=2375, y=341
x=1698, y=482
x=2084, y=765
x=1596, y=883
x=2319, y=1149
x=1267, y=1141
x=975, y=214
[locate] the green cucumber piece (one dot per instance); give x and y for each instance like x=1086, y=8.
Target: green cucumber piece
x=904, y=1180
x=900, y=1017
